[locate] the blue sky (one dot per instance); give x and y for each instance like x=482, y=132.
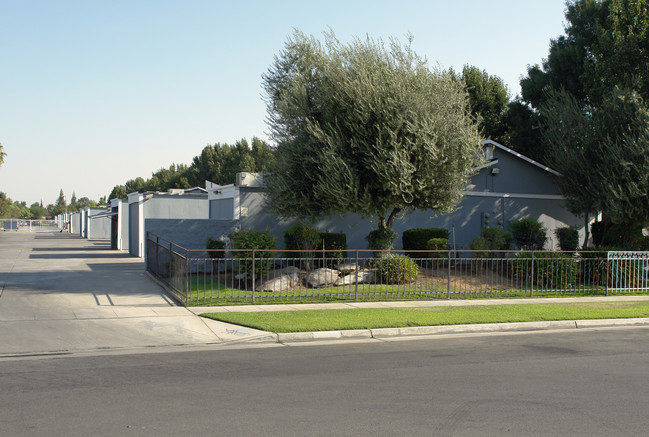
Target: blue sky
x=95, y=92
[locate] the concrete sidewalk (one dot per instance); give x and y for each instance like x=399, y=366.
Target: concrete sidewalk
x=61, y=293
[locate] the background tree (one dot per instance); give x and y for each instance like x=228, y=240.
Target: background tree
x=118, y=192
x=602, y=153
x=489, y=99
x=365, y=129
x=37, y=211
x=60, y=206
x=2, y=155
x=220, y=163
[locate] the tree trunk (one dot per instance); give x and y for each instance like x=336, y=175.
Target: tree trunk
x=587, y=233
x=393, y=215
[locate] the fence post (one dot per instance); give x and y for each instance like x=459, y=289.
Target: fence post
x=187, y=277
x=448, y=282
x=157, y=256
x=532, y=277
x=356, y=281
x=607, y=271
x=253, y=276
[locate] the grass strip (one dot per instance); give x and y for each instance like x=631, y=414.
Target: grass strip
x=372, y=318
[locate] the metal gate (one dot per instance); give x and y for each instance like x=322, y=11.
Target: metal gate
x=628, y=271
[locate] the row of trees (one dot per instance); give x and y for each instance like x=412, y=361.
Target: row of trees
x=218, y=163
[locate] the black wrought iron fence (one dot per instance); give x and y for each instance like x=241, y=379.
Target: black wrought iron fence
x=213, y=277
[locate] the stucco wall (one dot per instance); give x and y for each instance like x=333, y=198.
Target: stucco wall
x=189, y=233
x=97, y=228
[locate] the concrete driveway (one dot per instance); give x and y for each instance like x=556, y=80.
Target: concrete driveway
x=62, y=293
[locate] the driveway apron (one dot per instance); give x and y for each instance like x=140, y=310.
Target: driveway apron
x=62, y=293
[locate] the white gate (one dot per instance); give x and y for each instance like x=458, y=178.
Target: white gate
x=628, y=271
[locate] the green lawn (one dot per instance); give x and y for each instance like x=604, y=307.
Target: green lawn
x=205, y=291
x=371, y=318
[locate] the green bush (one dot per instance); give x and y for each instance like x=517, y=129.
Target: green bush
x=262, y=242
x=336, y=241
x=568, y=238
x=417, y=239
x=528, y=234
x=381, y=239
x=597, y=230
x=215, y=247
x=627, y=236
x=396, y=269
x=301, y=237
x=490, y=239
x=592, y=265
x=552, y=270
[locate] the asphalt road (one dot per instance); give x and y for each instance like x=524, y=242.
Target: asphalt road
x=590, y=382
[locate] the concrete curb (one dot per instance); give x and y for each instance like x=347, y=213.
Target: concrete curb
x=414, y=331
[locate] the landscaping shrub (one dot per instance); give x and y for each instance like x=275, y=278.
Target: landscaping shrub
x=396, y=269
x=627, y=236
x=215, y=246
x=528, y=234
x=568, y=238
x=434, y=258
x=552, y=270
x=301, y=237
x=381, y=240
x=336, y=241
x=417, y=239
x=597, y=230
x=262, y=242
x=592, y=265
x=490, y=239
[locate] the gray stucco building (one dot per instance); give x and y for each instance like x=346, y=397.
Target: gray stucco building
x=508, y=187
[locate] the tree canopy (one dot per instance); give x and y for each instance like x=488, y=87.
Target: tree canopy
x=2, y=155
x=218, y=163
x=365, y=128
x=588, y=103
x=488, y=98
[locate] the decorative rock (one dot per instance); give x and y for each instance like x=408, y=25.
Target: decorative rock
x=322, y=277
x=347, y=268
x=362, y=277
x=280, y=283
x=241, y=277
x=291, y=270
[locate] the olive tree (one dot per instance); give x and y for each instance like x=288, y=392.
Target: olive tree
x=365, y=128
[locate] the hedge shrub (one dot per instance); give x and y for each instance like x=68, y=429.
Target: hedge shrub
x=381, y=240
x=552, y=270
x=336, y=241
x=528, y=234
x=301, y=237
x=214, y=247
x=417, y=239
x=396, y=269
x=491, y=239
x=262, y=242
x=568, y=238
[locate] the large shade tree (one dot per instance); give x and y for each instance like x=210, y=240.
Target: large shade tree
x=367, y=129
x=602, y=153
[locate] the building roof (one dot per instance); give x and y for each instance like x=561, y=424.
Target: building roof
x=521, y=156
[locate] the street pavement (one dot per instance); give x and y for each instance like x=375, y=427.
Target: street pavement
x=60, y=294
